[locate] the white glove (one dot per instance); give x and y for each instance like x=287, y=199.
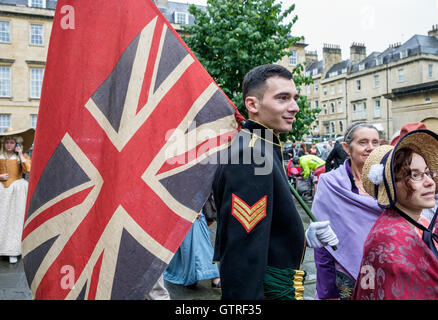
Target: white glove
x=320, y=234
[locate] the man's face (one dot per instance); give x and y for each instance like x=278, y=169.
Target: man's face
x=278, y=107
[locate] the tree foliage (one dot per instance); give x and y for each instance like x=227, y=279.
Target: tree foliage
x=233, y=36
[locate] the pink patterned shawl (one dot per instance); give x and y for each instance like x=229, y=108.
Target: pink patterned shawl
x=396, y=264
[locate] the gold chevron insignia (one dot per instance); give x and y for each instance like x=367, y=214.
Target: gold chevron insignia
x=248, y=216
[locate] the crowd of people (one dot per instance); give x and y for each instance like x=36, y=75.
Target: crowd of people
x=376, y=208
x=376, y=202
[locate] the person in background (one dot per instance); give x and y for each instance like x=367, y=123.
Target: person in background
x=193, y=261
x=324, y=153
x=294, y=152
x=13, y=189
x=336, y=157
x=330, y=146
x=400, y=256
x=313, y=150
x=342, y=200
x=312, y=162
x=302, y=151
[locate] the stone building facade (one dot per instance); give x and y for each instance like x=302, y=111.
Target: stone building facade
x=387, y=89
x=25, y=28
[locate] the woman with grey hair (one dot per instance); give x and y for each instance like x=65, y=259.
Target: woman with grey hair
x=13, y=189
x=342, y=199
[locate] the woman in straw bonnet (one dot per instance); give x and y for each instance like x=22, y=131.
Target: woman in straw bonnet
x=13, y=189
x=400, y=259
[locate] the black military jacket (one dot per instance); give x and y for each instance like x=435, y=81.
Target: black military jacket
x=258, y=224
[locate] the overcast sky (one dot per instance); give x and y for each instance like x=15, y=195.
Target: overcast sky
x=376, y=23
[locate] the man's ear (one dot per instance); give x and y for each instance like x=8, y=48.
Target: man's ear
x=252, y=104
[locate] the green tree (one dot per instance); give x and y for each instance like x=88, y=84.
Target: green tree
x=233, y=36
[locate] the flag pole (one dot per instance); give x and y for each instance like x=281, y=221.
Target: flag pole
x=305, y=207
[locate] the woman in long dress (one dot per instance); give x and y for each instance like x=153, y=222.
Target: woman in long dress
x=13, y=190
x=193, y=260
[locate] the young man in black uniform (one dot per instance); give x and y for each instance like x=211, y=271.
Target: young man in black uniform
x=260, y=236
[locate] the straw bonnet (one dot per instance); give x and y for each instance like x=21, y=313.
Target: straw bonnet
x=377, y=173
x=23, y=137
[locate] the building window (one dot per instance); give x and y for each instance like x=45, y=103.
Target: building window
x=376, y=81
x=5, y=81
x=358, y=85
x=315, y=72
x=324, y=90
x=332, y=124
x=315, y=86
x=359, y=111
x=316, y=104
x=5, y=31
x=377, y=111
x=33, y=120
x=401, y=75
x=36, y=82
x=308, y=89
x=324, y=107
x=332, y=89
x=37, y=3
x=181, y=17
x=340, y=88
x=430, y=70
x=36, y=34
x=404, y=54
x=340, y=107
x=361, y=66
x=427, y=99
x=5, y=122
x=341, y=126
x=293, y=58
x=332, y=107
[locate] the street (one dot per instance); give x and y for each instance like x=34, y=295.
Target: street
x=13, y=283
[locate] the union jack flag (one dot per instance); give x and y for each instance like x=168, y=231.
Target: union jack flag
x=129, y=129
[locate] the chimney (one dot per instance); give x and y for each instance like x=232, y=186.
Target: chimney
x=311, y=56
x=331, y=55
x=434, y=31
x=395, y=45
x=161, y=3
x=358, y=52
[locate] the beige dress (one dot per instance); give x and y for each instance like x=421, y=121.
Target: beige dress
x=13, y=194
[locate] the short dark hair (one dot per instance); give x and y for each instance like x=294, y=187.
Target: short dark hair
x=256, y=78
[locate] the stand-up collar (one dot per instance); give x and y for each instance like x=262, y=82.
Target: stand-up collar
x=261, y=131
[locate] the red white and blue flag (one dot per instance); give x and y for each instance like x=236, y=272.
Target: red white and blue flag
x=129, y=131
